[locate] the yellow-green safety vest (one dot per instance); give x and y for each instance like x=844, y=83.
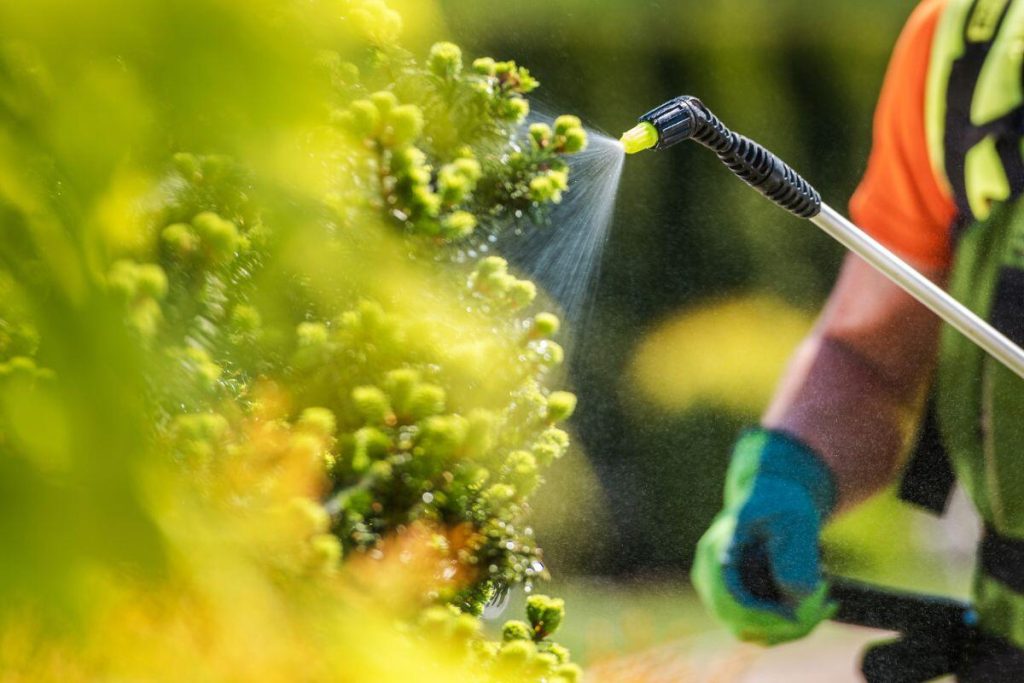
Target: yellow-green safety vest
x=975, y=117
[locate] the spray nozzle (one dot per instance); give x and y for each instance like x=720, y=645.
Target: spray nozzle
x=685, y=118
x=671, y=123
x=640, y=137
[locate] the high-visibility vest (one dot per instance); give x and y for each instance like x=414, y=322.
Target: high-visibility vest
x=975, y=118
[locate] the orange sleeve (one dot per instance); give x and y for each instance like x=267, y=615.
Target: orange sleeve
x=900, y=202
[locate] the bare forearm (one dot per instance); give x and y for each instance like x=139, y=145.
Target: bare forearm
x=836, y=402
x=855, y=388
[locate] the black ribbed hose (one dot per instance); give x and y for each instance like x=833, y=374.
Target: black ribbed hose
x=686, y=118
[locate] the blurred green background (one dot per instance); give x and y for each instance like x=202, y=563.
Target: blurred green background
x=704, y=286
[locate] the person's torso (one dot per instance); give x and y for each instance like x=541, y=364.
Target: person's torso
x=975, y=111
x=975, y=108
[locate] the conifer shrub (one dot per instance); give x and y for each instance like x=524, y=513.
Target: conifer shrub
x=292, y=350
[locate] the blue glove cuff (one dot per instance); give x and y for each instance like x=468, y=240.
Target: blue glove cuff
x=780, y=455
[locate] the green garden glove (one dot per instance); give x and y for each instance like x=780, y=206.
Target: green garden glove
x=778, y=493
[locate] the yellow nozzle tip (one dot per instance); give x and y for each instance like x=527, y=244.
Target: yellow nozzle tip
x=640, y=137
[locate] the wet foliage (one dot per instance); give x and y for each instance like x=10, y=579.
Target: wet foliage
x=250, y=384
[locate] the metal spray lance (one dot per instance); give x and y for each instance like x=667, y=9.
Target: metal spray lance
x=686, y=118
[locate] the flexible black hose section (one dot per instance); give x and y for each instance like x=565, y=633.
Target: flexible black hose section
x=687, y=118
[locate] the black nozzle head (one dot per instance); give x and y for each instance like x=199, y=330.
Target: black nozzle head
x=676, y=120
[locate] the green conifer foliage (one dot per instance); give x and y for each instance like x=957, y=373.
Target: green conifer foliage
x=312, y=353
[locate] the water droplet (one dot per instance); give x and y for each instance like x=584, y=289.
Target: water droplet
x=428, y=497
x=494, y=609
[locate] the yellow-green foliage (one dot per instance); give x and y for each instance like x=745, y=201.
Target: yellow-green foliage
x=671, y=367
x=253, y=412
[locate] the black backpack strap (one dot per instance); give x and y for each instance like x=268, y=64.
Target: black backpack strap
x=928, y=478
x=1002, y=558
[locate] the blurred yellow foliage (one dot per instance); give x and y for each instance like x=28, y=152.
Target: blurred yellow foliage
x=241, y=600
x=200, y=292
x=727, y=354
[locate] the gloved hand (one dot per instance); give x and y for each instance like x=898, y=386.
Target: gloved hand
x=778, y=494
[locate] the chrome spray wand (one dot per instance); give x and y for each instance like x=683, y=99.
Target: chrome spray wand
x=686, y=118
